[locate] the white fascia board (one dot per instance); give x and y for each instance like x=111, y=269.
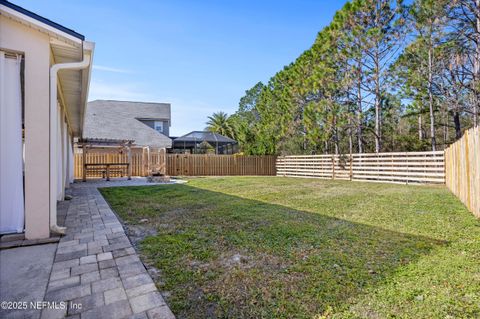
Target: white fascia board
x=31, y=22
x=87, y=46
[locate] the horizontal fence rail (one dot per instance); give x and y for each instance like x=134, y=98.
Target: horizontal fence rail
x=144, y=162
x=399, y=167
x=462, y=163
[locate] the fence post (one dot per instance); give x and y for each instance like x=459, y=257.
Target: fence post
x=333, y=166
x=467, y=169
x=408, y=167
x=164, y=161
x=129, y=156
x=149, y=159
x=445, y=156
x=351, y=168
x=84, y=156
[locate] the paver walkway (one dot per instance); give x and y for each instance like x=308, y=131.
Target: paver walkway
x=96, y=266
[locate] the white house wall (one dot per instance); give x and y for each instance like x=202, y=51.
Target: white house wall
x=35, y=47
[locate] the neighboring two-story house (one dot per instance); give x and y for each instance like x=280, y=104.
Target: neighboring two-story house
x=147, y=124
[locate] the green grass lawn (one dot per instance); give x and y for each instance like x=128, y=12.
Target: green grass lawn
x=272, y=247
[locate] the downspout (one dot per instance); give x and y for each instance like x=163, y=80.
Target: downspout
x=53, y=131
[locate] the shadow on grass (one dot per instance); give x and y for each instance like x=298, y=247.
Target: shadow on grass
x=226, y=256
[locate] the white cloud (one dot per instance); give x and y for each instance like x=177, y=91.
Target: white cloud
x=100, y=90
x=110, y=69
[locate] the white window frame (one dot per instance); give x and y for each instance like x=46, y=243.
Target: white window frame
x=158, y=126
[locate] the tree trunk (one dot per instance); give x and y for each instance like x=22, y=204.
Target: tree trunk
x=350, y=136
x=430, y=98
x=378, y=116
x=335, y=134
x=378, y=99
x=420, y=129
x=445, y=126
x=456, y=121
x=476, y=66
x=360, y=110
x=305, y=142
x=378, y=131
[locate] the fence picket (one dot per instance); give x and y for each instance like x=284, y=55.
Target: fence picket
x=462, y=169
x=182, y=164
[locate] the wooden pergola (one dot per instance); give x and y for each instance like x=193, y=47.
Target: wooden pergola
x=102, y=143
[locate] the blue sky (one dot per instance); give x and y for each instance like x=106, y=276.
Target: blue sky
x=200, y=56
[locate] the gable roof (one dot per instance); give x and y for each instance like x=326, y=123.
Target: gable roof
x=109, y=119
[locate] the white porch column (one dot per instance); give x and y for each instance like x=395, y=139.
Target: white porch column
x=65, y=153
x=58, y=169
x=70, y=161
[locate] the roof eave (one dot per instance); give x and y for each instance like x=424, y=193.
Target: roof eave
x=86, y=77
x=47, y=24
x=44, y=25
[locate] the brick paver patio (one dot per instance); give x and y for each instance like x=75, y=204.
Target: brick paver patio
x=95, y=265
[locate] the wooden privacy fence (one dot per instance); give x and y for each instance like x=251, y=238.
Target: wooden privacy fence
x=462, y=163
x=405, y=167
x=219, y=165
x=181, y=164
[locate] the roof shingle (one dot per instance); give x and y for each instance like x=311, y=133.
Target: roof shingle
x=119, y=120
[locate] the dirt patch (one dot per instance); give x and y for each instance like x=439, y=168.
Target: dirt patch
x=241, y=261
x=237, y=260
x=137, y=233
x=239, y=278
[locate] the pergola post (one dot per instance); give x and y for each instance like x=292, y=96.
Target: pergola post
x=148, y=160
x=84, y=159
x=164, y=161
x=129, y=156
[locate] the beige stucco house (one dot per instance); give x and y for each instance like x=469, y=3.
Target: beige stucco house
x=44, y=78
